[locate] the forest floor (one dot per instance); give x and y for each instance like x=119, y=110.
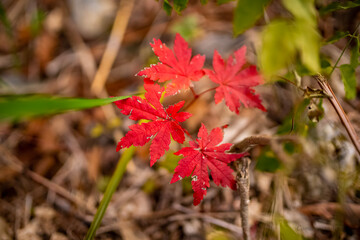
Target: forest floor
x=54, y=170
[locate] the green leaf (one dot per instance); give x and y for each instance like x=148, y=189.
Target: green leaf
x=23, y=107
x=299, y=35
x=187, y=27
x=348, y=72
x=325, y=66
x=267, y=161
x=290, y=147
x=307, y=41
x=302, y=9
x=324, y=63
x=286, y=232
x=354, y=60
x=283, y=39
x=167, y=7
x=349, y=79
x=337, y=36
x=180, y=5
x=337, y=5
x=247, y=12
x=170, y=162
x=203, y=2
x=272, y=57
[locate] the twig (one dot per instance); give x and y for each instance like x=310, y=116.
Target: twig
x=112, y=48
x=113, y=45
x=58, y=189
x=19, y=166
x=242, y=169
x=243, y=184
x=340, y=111
x=193, y=214
x=262, y=140
x=82, y=51
x=250, y=142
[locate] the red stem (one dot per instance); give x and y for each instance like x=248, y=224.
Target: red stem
x=193, y=92
x=187, y=133
x=196, y=96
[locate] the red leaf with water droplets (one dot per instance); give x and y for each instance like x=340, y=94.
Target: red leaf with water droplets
x=176, y=65
x=165, y=122
x=235, y=82
x=206, y=153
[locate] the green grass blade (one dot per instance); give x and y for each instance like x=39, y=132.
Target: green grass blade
x=247, y=12
x=23, y=107
x=110, y=189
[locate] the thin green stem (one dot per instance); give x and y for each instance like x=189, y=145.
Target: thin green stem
x=110, y=189
x=343, y=51
x=291, y=82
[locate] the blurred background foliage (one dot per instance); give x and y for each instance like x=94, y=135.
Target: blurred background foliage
x=55, y=168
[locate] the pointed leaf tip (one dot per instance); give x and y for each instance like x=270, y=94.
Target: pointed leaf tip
x=204, y=154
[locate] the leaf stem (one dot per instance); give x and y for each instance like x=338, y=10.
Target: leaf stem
x=343, y=51
x=291, y=82
x=110, y=189
x=193, y=92
x=196, y=96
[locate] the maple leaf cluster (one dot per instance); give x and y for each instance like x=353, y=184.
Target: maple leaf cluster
x=163, y=123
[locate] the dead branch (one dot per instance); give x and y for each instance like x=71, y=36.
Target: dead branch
x=340, y=111
x=243, y=184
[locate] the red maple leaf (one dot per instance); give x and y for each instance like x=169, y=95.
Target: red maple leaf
x=177, y=66
x=164, y=121
x=203, y=154
x=235, y=82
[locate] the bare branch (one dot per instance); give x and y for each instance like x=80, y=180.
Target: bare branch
x=243, y=184
x=340, y=111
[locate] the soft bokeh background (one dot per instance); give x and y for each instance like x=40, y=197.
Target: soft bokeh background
x=56, y=47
